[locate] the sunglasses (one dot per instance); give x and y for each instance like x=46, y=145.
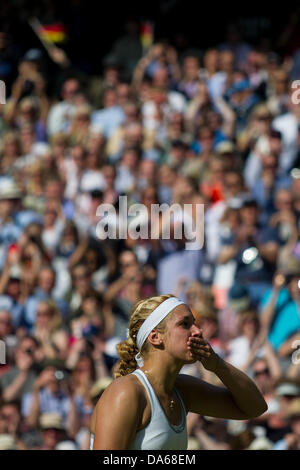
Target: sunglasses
x=263, y=118
x=261, y=372
x=80, y=276
x=127, y=265
x=288, y=397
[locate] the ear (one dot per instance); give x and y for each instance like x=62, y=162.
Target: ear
x=155, y=338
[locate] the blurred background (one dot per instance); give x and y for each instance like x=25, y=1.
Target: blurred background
x=162, y=104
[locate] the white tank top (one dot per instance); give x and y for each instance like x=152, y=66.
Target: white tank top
x=159, y=434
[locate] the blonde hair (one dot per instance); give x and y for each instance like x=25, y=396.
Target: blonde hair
x=11, y=136
x=56, y=320
x=128, y=349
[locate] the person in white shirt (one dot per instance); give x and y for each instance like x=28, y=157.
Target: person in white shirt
x=145, y=407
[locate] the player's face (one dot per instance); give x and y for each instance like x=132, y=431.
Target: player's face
x=180, y=327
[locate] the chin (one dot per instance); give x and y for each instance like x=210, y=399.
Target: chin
x=190, y=360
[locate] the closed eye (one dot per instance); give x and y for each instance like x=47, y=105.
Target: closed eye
x=187, y=322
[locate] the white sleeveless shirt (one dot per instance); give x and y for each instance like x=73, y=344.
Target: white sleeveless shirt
x=159, y=434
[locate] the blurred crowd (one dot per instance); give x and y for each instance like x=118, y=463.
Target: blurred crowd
x=219, y=128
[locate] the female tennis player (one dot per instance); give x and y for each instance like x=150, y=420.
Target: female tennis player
x=145, y=407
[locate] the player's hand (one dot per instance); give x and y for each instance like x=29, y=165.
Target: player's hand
x=201, y=350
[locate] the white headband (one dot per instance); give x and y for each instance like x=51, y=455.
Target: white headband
x=158, y=314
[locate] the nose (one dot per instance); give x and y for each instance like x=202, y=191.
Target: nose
x=195, y=331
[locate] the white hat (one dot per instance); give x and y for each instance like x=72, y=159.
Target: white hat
x=287, y=389
x=15, y=272
x=260, y=443
x=51, y=421
x=9, y=189
x=225, y=147
x=193, y=444
x=66, y=445
x=7, y=442
x=100, y=386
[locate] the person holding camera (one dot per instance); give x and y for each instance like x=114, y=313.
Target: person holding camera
x=29, y=83
x=19, y=379
x=51, y=393
x=254, y=247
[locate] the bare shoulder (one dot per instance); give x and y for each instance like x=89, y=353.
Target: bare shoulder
x=123, y=390
x=119, y=414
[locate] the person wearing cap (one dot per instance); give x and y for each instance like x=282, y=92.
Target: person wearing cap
x=146, y=406
x=52, y=429
x=241, y=98
x=54, y=435
x=291, y=441
x=289, y=389
x=7, y=442
x=227, y=151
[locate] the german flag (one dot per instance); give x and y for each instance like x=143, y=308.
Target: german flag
x=55, y=33
x=146, y=35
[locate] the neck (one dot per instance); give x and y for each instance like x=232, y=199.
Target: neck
x=162, y=374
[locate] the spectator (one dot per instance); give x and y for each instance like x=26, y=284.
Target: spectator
x=60, y=115
x=50, y=396
x=255, y=250
x=19, y=379
x=53, y=433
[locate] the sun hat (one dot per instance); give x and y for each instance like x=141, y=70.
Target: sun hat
x=9, y=189
x=260, y=443
x=100, y=386
x=225, y=147
x=51, y=421
x=294, y=409
x=238, y=298
x=287, y=389
x=33, y=55
x=7, y=442
x=66, y=445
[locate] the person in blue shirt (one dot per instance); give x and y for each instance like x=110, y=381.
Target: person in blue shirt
x=254, y=247
x=46, y=282
x=280, y=306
